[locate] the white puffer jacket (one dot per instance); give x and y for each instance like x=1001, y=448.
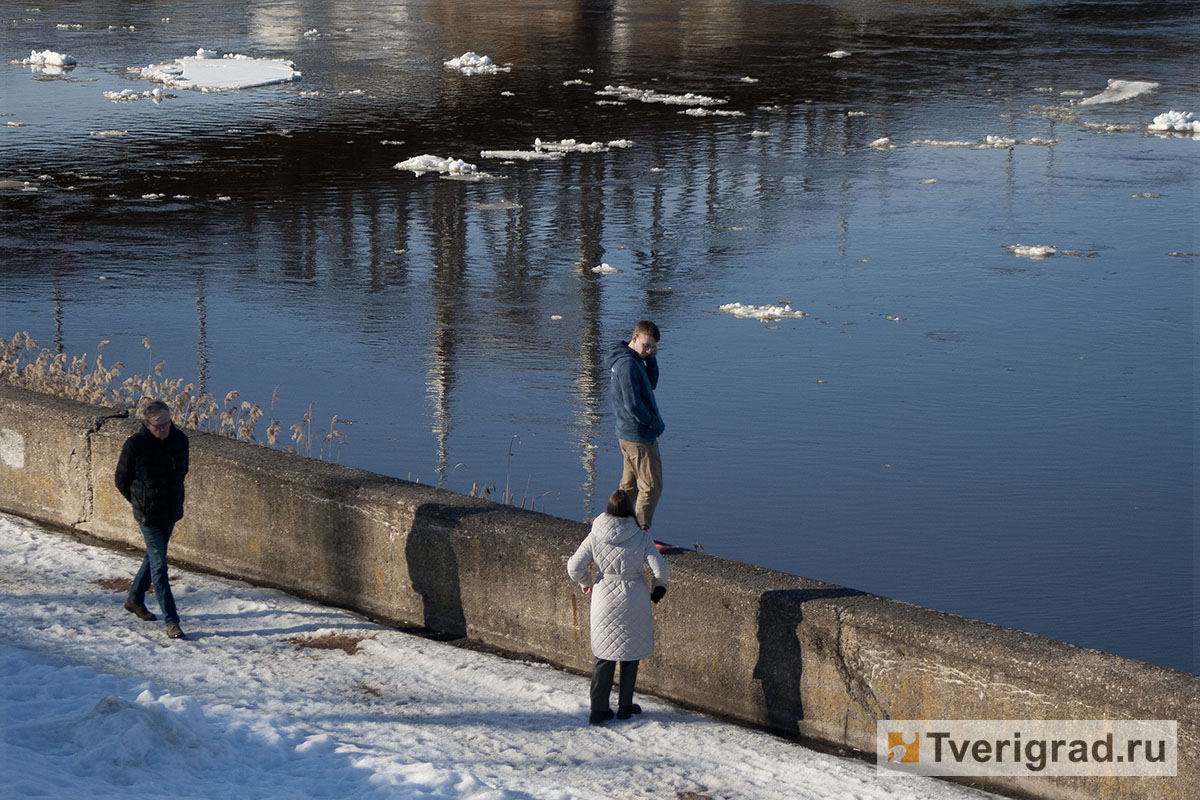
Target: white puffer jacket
x=622, y=625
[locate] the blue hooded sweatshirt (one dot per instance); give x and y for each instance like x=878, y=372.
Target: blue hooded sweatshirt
x=633, y=382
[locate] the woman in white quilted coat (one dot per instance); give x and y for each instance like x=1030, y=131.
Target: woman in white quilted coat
x=622, y=625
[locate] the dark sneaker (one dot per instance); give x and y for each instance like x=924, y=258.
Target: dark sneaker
x=598, y=717
x=625, y=712
x=139, y=610
x=174, y=631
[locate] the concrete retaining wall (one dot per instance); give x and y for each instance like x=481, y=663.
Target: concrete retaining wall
x=760, y=646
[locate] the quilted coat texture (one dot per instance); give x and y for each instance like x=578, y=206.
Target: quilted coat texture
x=622, y=625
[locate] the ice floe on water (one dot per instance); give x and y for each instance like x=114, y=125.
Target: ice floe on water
x=208, y=72
x=1176, y=122
x=712, y=112
x=419, y=165
x=605, y=269
x=46, y=58
x=652, y=96
x=471, y=63
x=837, y=54
x=767, y=312
x=883, y=143
x=549, y=151
x=1119, y=91
x=1031, y=250
x=130, y=96
x=990, y=142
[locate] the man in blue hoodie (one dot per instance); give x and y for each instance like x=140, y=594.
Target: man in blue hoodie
x=634, y=367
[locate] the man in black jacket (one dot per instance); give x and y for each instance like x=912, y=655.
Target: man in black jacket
x=150, y=475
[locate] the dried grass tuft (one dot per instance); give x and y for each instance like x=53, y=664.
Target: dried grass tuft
x=24, y=364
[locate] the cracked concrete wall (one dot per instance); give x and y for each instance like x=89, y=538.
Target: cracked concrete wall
x=800, y=656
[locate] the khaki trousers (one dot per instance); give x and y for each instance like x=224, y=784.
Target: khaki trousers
x=642, y=476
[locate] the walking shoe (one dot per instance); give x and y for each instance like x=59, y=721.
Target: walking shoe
x=598, y=717
x=625, y=712
x=174, y=631
x=139, y=610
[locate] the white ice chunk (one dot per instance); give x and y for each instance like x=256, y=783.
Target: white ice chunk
x=471, y=63
x=1031, y=250
x=883, y=144
x=1119, y=91
x=784, y=311
x=1180, y=121
x=605, y=269
x=837, y=54
x=651, y=96
x=47, y=58
x=206, y=73
x=427, y=163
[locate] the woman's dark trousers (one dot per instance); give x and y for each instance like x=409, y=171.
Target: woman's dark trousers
x=602, y=681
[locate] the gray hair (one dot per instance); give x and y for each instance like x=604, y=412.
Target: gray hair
x=153, y=409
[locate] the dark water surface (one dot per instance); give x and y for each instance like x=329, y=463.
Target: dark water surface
x=953, y=425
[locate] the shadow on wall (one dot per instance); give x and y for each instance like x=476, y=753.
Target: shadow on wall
x=779, y=651
x=433, y=566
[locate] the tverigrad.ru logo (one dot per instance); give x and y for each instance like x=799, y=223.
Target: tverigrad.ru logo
x=973, y=748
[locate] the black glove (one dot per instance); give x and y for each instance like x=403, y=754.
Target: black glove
x=658, y=593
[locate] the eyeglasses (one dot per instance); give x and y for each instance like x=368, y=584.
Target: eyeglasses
x=158, y=426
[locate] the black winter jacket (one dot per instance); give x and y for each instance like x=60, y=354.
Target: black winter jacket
x=150, y=476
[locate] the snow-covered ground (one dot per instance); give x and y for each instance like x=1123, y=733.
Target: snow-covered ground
x=99, y=704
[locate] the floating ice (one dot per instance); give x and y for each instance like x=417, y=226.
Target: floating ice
x=605, y=269
x=1178, y=121
x=748, y=79
x=47, y=58
x=929, y=181
x=990, y=142
x=651, y=96
x=857, y=113
x=837, y=54
x=711, y=112
x=427, y=163
x=760, y=133
x=130, y=96
x=576, y=82
x=764, y=313
x=109, y=133
x=312, y=33
x=547, y=151
x=205, y=72
x=470, y=63
x=1031, y=250
x=1119, y=91
x=883, y=144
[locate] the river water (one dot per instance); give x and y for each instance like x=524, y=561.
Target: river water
x=952, y=424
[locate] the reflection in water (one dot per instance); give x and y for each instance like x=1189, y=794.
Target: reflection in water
x=423, y=307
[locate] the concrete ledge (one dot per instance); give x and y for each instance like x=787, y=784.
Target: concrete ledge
x=764, y=647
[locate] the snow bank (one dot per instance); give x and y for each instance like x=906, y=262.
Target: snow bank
x=1178, y=121
x=207, y=72
x=1119, y=91
x=764, y=313
x=651, y=96
x=474, y=64
x=427, y=163
x=1031, y=250
x=98, y=704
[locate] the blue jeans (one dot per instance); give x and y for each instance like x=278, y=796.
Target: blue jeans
x=154, y=572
